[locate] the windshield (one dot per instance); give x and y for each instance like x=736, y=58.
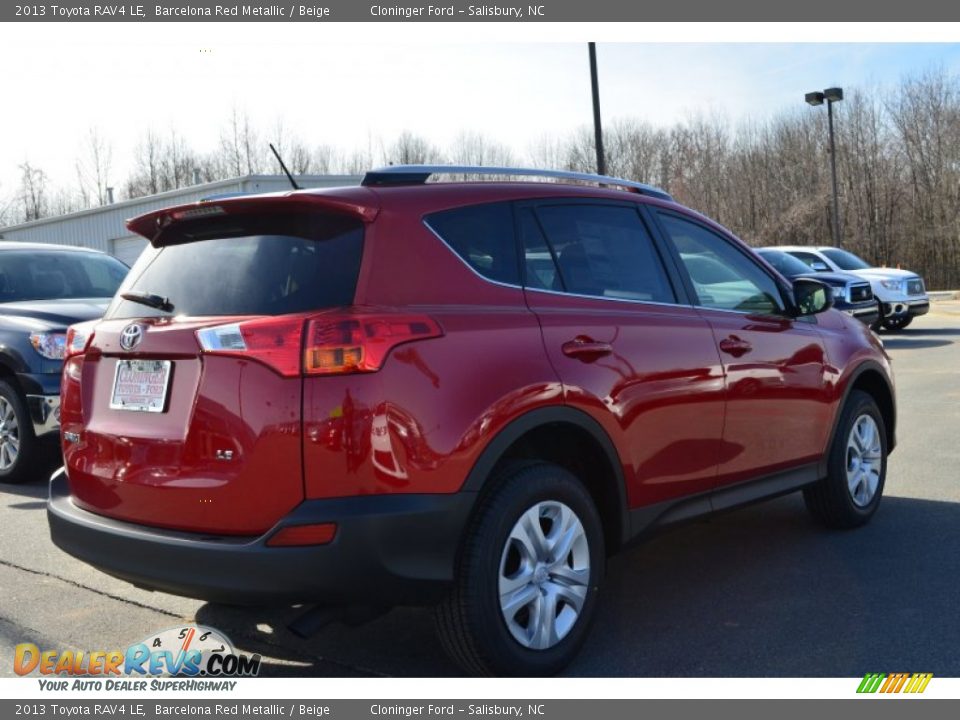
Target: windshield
x=786, y=264
x=58, y=275
x=290, y=265
x=845, y=260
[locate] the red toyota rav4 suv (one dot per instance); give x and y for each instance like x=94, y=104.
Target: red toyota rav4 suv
x=468, y=393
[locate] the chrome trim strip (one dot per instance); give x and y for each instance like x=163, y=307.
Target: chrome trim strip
x=610, y=299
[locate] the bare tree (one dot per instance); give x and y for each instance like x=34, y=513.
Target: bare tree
x=474, y=148
x=410, y=149
x=7, y=208
x=240, y=151
x=545, y=152
x=898, y=154
x=33, y=192
x=93, y=169
x=326, y=160
x=147, y=178
x=294, y=152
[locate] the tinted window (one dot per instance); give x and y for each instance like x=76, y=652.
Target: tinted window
x=845, y=260
x=605, y=251
x=811, y=261
x=785, y=263
x=483, y=236
x=49, y=275
x=723, y=277
x=541, y=270
x=305, y=263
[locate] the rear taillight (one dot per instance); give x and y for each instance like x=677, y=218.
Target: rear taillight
x=275, y=342
x=79, y=337
x=320, y=345
x=360, y=342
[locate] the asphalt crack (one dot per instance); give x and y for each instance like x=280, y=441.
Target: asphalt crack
x=283, y=650
x=74, y=583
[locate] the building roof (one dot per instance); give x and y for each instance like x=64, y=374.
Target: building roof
x=171, y=197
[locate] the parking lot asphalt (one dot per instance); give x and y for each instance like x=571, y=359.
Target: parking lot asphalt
x=760, y=591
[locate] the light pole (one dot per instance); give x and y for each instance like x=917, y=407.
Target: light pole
x=597, y=130
x=831, y=95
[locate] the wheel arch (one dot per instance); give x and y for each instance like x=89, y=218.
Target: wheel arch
x=8, y=371
x=870, y=377
x=572, y=439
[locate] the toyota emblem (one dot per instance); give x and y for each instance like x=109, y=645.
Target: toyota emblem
x=131, y=336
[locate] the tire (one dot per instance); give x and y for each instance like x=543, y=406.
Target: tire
x=472, y=625
x=856, y=469
x=19, y=448
x=897, y=324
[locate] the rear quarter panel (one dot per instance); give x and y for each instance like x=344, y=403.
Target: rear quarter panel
x=421, y=422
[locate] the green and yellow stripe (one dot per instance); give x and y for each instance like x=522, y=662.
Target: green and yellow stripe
x=894, y=682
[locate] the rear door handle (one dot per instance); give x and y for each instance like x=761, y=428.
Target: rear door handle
x=585, y=348
x=735, y=346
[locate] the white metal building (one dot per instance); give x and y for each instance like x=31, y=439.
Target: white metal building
x=103, y=228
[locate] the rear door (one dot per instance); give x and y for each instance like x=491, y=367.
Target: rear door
x=627, y=348
x=191, y=413
x=778, y=400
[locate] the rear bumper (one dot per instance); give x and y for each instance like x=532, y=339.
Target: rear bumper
x=388, y=550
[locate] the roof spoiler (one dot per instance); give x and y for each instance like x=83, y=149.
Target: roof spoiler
x=151, y=225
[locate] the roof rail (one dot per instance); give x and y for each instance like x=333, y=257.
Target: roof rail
x=419, y=174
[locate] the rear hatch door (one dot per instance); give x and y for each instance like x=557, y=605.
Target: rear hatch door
x=175, y=436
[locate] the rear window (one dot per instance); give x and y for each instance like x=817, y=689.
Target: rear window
x=482, y=235
x=269, y=265
x=68, y=275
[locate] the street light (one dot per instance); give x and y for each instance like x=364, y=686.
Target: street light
x=831, y=95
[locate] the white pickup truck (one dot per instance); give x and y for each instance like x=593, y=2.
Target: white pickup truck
x=902, y=294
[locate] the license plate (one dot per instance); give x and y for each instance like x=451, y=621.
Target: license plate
x=140, y=385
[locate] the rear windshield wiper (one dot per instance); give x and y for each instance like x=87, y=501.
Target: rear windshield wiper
x=148, y=299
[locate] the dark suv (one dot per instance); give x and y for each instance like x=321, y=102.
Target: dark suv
x=462, y=393
x=43, y=289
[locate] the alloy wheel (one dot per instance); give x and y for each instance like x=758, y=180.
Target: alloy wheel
x=864, y=460
x=9, y=435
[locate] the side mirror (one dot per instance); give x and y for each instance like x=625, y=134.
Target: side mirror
x=820, y=266
x=811, y=296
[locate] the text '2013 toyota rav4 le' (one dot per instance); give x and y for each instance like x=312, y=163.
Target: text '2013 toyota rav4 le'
x=461, y=393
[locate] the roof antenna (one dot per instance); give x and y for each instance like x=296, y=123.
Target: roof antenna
x=284, y=168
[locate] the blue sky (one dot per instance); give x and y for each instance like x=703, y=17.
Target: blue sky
x=344, y=93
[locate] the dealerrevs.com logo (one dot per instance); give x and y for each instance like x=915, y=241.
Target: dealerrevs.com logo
x=186, y=653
